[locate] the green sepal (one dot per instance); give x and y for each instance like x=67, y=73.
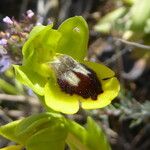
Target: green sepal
x=74, y=39
x=30, y=78
x=109, y=21
x=41, y=46
x=36, y=30
x=28, y=48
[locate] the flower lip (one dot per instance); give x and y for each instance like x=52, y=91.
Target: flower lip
x=76, y=78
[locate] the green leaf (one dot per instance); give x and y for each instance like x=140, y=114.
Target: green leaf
x=9, y=130
x=37, y=132
x=89, y=138
x=106, y=23
x=129, y=2
x=34, y=124
x=74, y=39
x=76, y=136
x=50, y=138
x=96, y=139
x=147, y=27
x=7, y=87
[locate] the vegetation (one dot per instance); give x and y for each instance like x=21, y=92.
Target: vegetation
x=41, y=108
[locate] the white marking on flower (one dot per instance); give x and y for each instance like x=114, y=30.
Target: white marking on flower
x=71, y=78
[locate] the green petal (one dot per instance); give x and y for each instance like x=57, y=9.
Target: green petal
x=110, y=87
x=60, y=101
x=74, y=39
x=13, y=147
x=31, y=79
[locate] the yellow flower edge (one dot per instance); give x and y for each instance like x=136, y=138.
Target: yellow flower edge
x=60, y=101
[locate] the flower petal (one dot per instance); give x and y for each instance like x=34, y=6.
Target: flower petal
x=110, y=86
x=111, y=89
x=74, y=39
x=60, y=101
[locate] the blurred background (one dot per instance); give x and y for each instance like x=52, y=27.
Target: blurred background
x=119, y=38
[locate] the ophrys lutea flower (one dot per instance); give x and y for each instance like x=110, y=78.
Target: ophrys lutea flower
x=54, y=67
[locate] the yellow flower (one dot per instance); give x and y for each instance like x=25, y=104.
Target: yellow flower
x=54, y=67
x=73, y=84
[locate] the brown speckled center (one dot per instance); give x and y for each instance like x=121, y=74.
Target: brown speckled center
x=76, y=78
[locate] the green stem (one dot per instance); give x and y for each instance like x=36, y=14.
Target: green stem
x=7, y=87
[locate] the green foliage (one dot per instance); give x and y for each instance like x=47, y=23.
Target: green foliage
x=134, y=18
x=89, y=138
x=139, y=14
x=110, y=20
x=132, y=109
x=50, y=131
x=7, y=87
x=37, y=132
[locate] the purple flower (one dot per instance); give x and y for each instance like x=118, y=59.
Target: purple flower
x=30, y=13
x=5, y=63
x=49, y=21
x=7, y=20
x=3, y=42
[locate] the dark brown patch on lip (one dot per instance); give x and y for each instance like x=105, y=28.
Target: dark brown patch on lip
x=89, y=85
